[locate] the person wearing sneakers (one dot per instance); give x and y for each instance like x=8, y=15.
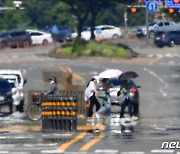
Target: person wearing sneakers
x=125, y=90
x=90, y=95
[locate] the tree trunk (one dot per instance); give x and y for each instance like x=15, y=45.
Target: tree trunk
x=79, y=27
x=93, y=19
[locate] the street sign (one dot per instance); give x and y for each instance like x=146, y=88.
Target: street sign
x=151, y=6
x=98, y=31
x=172, y=4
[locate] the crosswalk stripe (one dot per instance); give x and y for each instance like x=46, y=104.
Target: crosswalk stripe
x=107, y=151
x=132, y=152
x=162, y=151
x=4, y=152
x=52, y=151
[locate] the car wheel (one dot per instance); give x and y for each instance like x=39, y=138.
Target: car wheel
x=115, y=36
x=20, y=107
x=45, y=42
x=26, y=44
x=160, y=46
x=3, y=45
x=171, y=43
x=151, y=35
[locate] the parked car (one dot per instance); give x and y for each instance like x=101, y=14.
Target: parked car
x=154, y=27
x=85, y=34
x=169, y=38
x=59, y=32
x=6, y=94
x=101, y=31
x=15, y=39
x=107, y=32
x=116, y=100
x=21, y=82
x=39, y=37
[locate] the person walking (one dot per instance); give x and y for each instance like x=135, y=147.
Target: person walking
x=125, y=91
x=105, y=109
x=90, y=96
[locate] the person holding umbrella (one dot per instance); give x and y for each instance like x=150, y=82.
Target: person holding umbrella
x=90, y=95
x=125, y=90
x=105, y=109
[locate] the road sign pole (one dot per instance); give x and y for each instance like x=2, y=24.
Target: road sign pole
x=147, y=27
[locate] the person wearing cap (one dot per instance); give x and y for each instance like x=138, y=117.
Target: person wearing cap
x=54, y=88
x=90, y=95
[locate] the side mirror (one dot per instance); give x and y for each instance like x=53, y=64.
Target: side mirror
x=25, y=81
x=138, y=86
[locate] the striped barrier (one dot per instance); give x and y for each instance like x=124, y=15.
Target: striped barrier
x=59, y=113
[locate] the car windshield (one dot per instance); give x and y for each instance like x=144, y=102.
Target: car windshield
x=12, y=84
x=3, y=34
x=4, y=84
x=152, y=23
x=118, y=82
x=18, y=77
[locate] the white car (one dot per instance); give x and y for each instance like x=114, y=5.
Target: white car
x=101, y=32
x=21, y=82
x=107, y=32
x=39, y=37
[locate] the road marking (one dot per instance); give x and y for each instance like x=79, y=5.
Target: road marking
x=154, y=61
x=92, y=142
x=162, y=151
x=107, y=151
x=4, y=152
x=165, y=85
x=74, y=140
x=51, y=151
x=132, y=152
x=63, y=69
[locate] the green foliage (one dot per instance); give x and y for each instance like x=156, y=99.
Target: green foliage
x=95, y=49
x=79, y=46
x=13, y=19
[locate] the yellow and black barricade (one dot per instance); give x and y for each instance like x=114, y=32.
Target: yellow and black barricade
x=59, y=113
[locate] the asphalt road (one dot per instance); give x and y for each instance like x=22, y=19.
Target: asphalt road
x=159, y=77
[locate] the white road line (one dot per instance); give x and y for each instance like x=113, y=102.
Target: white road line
x=42, y=145
x=107, y=151
x=4, y=152
x=162, y=151
x=133, y=152
x=165, y=85
x=52, y=151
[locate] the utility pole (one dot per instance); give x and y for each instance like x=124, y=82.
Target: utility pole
x=147, y=27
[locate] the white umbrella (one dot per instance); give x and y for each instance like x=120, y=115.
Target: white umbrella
x=110, y=73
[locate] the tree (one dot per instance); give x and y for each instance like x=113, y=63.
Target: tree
x=79, y=8
x=98, y=6
x=13, y=19
x=37, y=11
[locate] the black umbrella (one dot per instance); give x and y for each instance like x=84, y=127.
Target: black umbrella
x=128, y=75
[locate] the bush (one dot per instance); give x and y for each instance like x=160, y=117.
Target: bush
x=79, y=46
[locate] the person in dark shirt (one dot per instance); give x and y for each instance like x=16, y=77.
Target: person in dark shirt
x=54, y=88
